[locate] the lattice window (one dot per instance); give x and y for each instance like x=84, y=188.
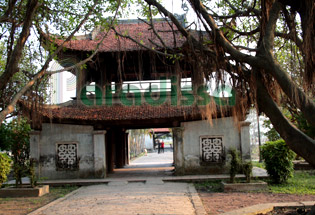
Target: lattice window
x=67, y=156
x=211, y=149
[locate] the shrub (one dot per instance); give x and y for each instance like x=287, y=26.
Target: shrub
x=278, y=160
x=31, y=173
x=5, y=167
x=234, y=164
x=247, y=168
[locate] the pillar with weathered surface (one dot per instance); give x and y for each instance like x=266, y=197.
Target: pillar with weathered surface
x=99, y=153
x=35, y=150
x=245, y=140
x=178, y=143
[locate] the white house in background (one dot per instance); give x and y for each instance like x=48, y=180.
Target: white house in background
x=62, y=85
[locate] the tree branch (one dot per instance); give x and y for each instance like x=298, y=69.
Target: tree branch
x=7, y=13
x=10, y=108
x=12, y=66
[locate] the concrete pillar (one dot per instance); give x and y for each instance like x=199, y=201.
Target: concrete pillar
x=178, y=151
x=245, y=140
x=35, y=150
x=99, y=154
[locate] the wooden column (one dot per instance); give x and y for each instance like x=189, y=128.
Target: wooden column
x=119, y=143
x=126, y=161
x=81, y=81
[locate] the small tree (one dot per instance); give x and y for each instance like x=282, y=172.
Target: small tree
x=234, y=164
x=20, y=147
x=278, y=160
x=247, y=168
x=5, y=167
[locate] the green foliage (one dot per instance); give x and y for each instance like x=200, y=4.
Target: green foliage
x=259, y=164
x=235, y=164
x=209, y=186
x=17, y=140
x=5, y=141
x=278, y=160
x=31, y=173
x=247, y=168
x=303, y=125
x=271, y=134
x=5, y=167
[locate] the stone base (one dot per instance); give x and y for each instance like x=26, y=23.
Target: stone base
x=236, y=187
x=24, y=191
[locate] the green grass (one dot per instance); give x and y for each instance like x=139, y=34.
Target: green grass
x=302, y=183
x=62, y=191
x=209, y=186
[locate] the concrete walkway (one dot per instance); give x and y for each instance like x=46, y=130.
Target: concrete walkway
x=121, y=198
x=151, y=165
x=146, y=186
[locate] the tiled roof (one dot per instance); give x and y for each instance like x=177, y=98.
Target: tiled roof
x=142, y=32
x=119, y=112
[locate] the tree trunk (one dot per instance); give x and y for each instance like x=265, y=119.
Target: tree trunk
x=294, y=138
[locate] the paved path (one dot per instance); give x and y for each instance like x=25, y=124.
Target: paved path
x=121, y=198
x=152, y=165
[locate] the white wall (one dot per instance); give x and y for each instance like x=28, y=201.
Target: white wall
x=43, y=149
x=225, y=127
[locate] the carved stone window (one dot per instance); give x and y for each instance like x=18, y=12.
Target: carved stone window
x=212, y=149
x=67, y=156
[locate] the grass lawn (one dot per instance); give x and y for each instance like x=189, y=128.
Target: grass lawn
x=15, y=206
x=302, y=183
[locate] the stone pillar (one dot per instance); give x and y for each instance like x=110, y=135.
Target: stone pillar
x=245, y=140
x=35, y=150
x=178, y=150
x=99, y=154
